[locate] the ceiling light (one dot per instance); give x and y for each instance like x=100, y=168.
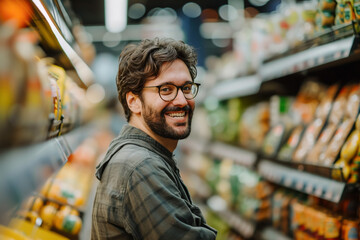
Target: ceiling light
x=137, y=10
x=115, y=15
x=228, y=12
x=258, y=3
x=191, y=10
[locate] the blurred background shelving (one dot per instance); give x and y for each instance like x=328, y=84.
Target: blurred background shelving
x=274, y=149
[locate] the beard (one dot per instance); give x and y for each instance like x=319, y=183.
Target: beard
x=157, y=122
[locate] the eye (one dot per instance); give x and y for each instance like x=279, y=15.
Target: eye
x=167, y=89
x=187, y=88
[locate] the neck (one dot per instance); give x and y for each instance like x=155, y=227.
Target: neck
x=169, y=144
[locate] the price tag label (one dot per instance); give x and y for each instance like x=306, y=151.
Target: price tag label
x=309, y=188
x=337, y=197
x=318, y=191
x=299, y=185
x=328, y=195
x=311, y=62
x=287, y=182
x=337, y=54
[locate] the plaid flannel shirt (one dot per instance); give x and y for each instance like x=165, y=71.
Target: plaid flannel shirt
x=141, y=195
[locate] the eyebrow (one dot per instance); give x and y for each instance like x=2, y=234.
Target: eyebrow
x=175, y=84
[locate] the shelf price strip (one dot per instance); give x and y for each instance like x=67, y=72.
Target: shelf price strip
x=321, y=187
x=312, y=57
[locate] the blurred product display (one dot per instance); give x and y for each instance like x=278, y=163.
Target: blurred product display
x=274, y=151
x=50, y=141
x=293, y=140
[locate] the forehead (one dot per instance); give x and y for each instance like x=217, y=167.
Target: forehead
x=172, y=72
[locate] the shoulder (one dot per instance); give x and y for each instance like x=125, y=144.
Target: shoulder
x=134, y=158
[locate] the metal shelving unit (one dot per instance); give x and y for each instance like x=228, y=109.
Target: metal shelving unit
x=57, y=45
x=311, y=184
x=331, y=46
x=24, y=170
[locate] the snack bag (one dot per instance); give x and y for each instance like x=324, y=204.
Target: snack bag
x=313, y=130
x=337, y=113
x=333, y=149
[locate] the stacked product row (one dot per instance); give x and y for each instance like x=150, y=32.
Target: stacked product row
x=57, y=209
x=259, y=204
x=320, y=126
x=39, y=100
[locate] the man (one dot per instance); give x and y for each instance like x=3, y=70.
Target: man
x=141, y=194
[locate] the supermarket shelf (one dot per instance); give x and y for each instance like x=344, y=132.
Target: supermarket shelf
x=240, y=156
x=307, y=59
x=270, y=233
x=238, y=87
x=318, y=186
x=24, y=170
x=243, y=226
x=57, y=46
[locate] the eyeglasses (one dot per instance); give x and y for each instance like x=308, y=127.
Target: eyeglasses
x=169, y=91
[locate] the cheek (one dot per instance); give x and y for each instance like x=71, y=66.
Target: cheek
x=155, y=104
x=191, y=104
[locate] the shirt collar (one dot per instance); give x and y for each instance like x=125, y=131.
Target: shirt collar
x=131, y=132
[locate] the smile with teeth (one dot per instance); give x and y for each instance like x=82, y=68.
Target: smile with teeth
x=177, y=114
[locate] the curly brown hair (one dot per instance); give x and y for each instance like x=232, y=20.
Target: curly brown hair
x=138, y=63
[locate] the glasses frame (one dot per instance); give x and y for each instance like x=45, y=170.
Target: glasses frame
x=177, y=90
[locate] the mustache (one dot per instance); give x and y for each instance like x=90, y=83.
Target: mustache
x=187, y=108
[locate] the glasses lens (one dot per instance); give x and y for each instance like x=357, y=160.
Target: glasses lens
x=167, y=92
x=190, y=90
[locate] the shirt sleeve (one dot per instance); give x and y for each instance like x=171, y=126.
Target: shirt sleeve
x=156, y=210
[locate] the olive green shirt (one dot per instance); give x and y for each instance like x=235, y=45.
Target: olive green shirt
x=141, y=194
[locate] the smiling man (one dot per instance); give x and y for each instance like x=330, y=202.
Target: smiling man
x=140, y=194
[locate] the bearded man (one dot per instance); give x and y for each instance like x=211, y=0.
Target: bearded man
x=140, y=194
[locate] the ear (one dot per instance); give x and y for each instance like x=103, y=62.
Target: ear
x=134, y=102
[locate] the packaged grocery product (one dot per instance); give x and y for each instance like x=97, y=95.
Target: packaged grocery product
x=340, y=12
x=327, y=5
x=308, y=140
x=350, y=229
x=68, y=220
x=335, y=116
x=306, y=105
x=254, y=125
x=354, y=170
x=336, y=143
x=320, y=145
x=344, y=172
x=324, y=19
x=349, y=14
x=281, y=214
x=57, y=76
x=281, y=121
x=289, y=147
x=47, y=214
x=353, y=102
x=33, y=203
x=356, y=6
x=314, y=128
x=350, y=148
x=273, y=140
x=332, y=226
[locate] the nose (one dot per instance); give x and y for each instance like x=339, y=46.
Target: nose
x=180, y=99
